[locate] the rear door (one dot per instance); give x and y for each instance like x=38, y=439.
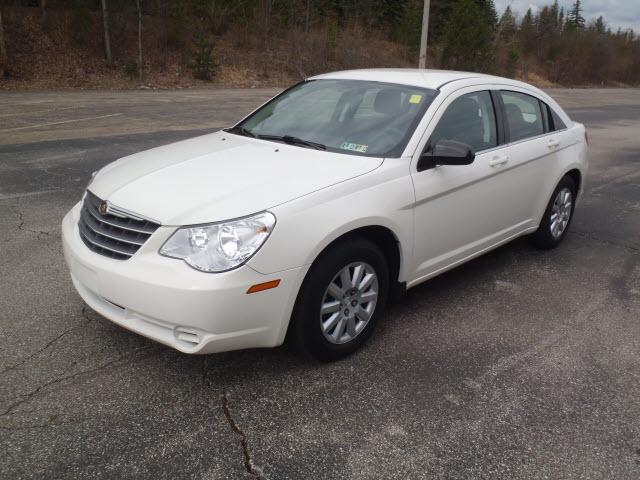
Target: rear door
x=533, y=149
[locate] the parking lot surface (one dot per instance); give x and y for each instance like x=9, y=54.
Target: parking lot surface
x=519, y=364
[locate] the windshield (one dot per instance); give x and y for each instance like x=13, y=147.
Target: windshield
x=347, y=116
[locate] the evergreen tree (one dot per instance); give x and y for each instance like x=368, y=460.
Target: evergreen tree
x=468, y=38
x=507, y=50
x=599, y=25
x=409, y=24
x=575, y=20
x=488, y=9
x=555, y=8
x=546, y=23
x=507, y=26
x=439, y=14
x=528, y=33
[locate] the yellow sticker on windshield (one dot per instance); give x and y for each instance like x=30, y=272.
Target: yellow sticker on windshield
x=356, y=147
x=415, y=99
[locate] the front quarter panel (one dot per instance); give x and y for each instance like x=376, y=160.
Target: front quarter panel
x=309, y=224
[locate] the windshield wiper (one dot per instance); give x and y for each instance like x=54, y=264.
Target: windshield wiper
x=241, y=131
x=294, y=141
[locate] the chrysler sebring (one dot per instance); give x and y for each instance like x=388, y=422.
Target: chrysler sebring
x=301, y=220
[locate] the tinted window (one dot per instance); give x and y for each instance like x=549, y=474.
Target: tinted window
x=558, y=124
x=347, y=116
x=524, y=117
x=469, y=119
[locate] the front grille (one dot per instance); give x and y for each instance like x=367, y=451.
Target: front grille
x=115, y=236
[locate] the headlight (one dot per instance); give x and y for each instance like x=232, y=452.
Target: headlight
x=220, y=246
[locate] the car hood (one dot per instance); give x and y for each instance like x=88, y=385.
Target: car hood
x=220, y=176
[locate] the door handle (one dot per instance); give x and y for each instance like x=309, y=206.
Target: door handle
x=498, y=160
x=553, y=143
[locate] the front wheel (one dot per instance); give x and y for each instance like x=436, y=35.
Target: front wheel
x=557, y=217
x=341, y=300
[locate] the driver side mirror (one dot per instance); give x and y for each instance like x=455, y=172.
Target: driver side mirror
x=446, y=152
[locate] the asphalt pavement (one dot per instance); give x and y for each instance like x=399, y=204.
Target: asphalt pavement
x=519, y=364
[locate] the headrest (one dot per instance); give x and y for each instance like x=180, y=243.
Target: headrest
x=513, y=110
x=388, y=101
x=465, y=108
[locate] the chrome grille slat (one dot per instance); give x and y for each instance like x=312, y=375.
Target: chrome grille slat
x=84, y=231
x=109, y=220
x=112, y=236
x=121, y=236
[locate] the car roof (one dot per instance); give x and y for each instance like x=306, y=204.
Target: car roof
x=432, y=79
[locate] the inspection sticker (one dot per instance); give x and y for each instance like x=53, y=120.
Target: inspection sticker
x=356, y=147
x=415, y=98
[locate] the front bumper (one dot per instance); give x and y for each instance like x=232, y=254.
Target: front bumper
x=167, y=301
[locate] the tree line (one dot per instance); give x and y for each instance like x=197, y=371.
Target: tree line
x=303, y=37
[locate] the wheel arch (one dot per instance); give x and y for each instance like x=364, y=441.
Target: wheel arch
x=572, y=172
x=575, y=175
x=381, y=236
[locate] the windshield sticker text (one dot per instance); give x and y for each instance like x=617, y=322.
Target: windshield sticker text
x=355, y=147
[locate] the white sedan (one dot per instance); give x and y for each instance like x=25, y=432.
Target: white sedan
x=300, y=221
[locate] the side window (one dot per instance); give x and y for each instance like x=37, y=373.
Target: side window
x=557, y=123
x=469, y=119
x=524, y=116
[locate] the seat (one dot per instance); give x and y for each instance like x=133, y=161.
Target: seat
x=518, y=127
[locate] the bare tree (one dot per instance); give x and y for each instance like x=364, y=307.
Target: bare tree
x=139, y=41
x=105, y=24
x=3, y=49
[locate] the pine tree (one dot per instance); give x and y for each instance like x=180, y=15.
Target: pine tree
x=555, y=8
x=507, y=26
x=575, y=20
x=528, y=33
x=408, y=25
x=546, y=24
x=506, y=44
x=468, y=37
x=599, y=25
x=488, y=9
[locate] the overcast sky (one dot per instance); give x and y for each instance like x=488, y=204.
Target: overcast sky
x=617, y=13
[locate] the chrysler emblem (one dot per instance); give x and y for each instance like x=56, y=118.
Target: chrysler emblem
x=103, y=208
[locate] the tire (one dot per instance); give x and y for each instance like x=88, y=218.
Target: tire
x=322, y=287
x=550, y=232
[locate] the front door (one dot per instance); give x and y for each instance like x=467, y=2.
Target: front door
x=463, y=210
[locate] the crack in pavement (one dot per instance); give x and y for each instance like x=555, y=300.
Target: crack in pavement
x=252, y=469
x=47, y=345
x=21, y=227
x=28, y=396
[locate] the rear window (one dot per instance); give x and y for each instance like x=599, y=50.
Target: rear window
x=524, y=116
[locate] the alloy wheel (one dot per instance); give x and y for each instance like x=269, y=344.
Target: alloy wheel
x=561, y=212
x=349, y=302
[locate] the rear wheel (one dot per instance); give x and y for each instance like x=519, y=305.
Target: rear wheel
x=341, y=300
x=557, y=217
